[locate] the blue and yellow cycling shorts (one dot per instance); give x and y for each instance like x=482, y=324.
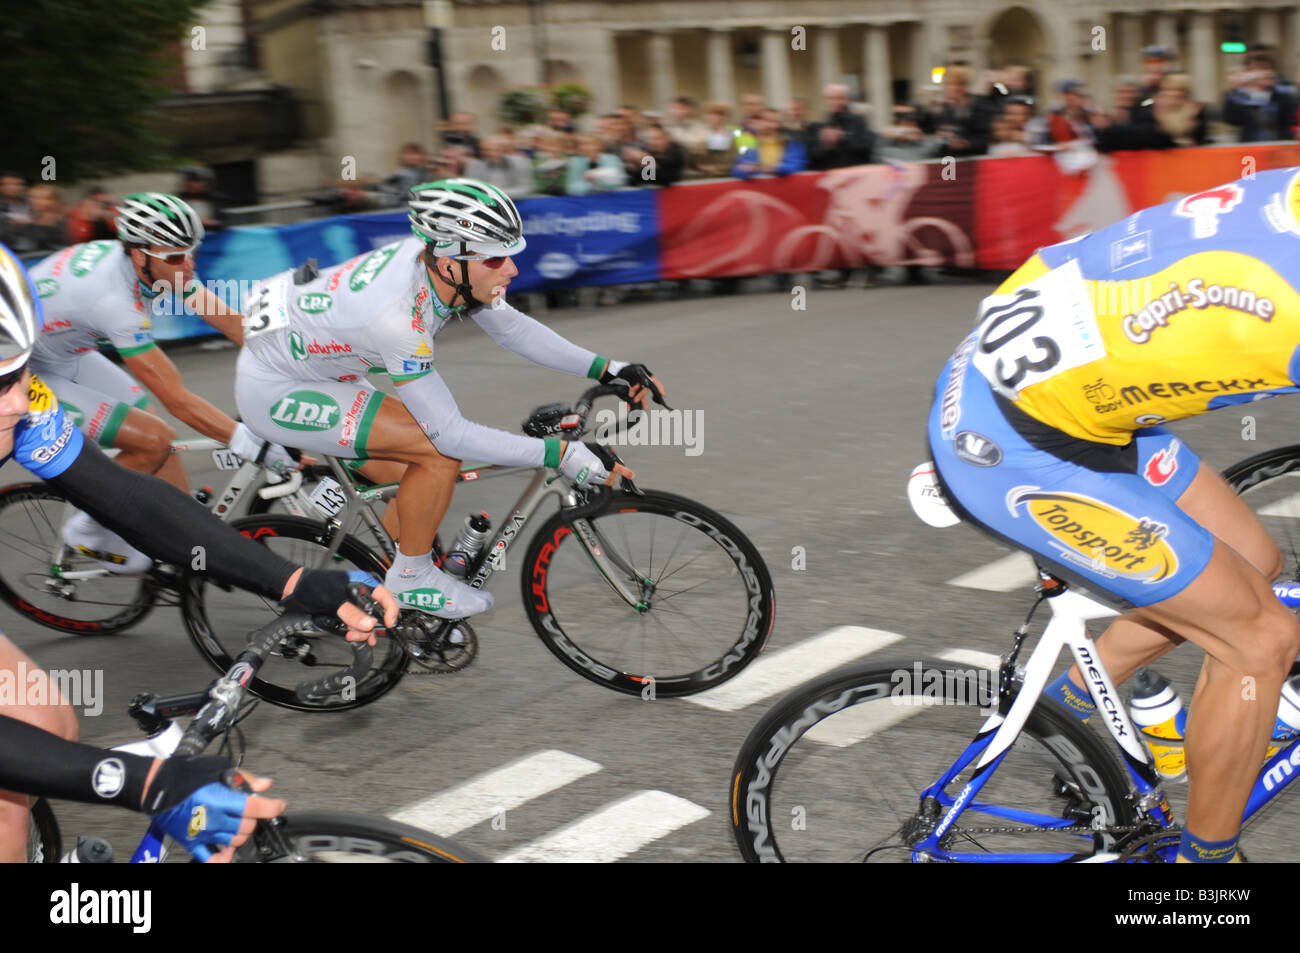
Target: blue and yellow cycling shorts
x=1102, y=515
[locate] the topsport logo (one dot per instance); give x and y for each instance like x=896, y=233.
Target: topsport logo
x=1090, y=533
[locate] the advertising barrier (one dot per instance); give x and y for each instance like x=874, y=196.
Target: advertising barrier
x=989, y=213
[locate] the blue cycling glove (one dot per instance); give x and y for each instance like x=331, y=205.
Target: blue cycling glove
x=209, y=817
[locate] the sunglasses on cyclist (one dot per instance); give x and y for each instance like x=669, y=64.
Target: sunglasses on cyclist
x=9, y=380
x=171, y=257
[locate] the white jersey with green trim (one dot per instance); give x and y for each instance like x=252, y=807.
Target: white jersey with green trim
x=377, y=313
x=91, y=299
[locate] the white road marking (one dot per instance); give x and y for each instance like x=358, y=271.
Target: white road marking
x=1007, y=574
x=502, y=789
x=791, y=667
x=612, y=832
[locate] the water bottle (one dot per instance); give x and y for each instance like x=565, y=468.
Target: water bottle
x=469, y=542
x=1287, y=725
x=1158, y=712
x=89, y=850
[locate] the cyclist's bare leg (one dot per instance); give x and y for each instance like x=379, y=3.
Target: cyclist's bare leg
x=1132, y=641
x=55, y=716
x=146, y=445
x=1250, y=640
x=424, y=491
x=386, y=471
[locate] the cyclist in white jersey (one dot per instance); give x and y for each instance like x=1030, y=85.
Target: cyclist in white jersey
x=101, y=294
x=308, y=348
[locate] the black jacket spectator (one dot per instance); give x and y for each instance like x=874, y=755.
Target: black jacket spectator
x=855, y=146
x=1262, y=113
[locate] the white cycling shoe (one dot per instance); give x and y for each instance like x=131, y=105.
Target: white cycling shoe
x=431, y=590
x=104, y=546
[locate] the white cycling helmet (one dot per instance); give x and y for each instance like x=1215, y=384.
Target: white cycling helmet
x=20, y=313
x=156, y=218
x=466, y=218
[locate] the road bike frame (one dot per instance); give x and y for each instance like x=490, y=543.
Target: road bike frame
x=1067, y=629
x=542, y=484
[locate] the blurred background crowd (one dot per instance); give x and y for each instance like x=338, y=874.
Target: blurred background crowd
x=995, y=113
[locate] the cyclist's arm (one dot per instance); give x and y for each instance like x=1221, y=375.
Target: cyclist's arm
x=159, y=375
x=41, y=764
x=160, y=520
x=529, y=338
x=221, y=316
x=433, y=407
x=178, y=791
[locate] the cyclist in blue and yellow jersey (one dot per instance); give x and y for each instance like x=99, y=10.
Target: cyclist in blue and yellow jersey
x=36, y=730
x=1047, y=430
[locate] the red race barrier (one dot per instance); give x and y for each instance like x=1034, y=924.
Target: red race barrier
x=988, y=213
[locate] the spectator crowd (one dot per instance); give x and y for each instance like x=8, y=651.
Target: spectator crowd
x=37, y=218
x=1001, y=114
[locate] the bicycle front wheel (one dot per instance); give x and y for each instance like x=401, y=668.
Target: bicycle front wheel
x=835, y=772
x=54, y=585
x=705, y=608
x=219, y=620
x=327, y=837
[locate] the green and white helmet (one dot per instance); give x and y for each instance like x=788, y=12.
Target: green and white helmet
x=466, y=218
x=156, y=218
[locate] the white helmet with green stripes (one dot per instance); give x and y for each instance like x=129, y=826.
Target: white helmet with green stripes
x=466, y=218
x=156, y=218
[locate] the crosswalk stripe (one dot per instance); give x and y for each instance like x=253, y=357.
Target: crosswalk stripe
x=503, y=789
x=1288, y=506
x=972, y=657
x=852, y=725
x=613, y=831
x=1011, y=572
x=792, y=666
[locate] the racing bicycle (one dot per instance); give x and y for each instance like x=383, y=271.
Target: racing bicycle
x=313, y=837
x=637, y=590
x=53, y=584
x=889, y=761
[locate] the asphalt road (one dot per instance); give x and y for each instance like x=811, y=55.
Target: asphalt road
x=812, y=421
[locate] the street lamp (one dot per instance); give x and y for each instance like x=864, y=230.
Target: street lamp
x=437, y=17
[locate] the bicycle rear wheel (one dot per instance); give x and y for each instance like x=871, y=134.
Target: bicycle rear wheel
x=54, y=585
x=327, y=837
x=219, y=619
x=707, y=604
x=836, y=770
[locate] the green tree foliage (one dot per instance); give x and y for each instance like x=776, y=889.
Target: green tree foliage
x=84, y=77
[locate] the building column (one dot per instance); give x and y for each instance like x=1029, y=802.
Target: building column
x=722, y=87
x=607, y=89
x=922, y=58
x=1129, y=26
x=662, y=75
x=829, y=69
x=1167, y=34
x=776, y=67
x=1201, y=61
x=875, y=62
x=1268, y=29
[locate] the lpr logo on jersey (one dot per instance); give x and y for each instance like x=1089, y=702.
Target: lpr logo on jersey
x=1204, y=208
x=1163, y=464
